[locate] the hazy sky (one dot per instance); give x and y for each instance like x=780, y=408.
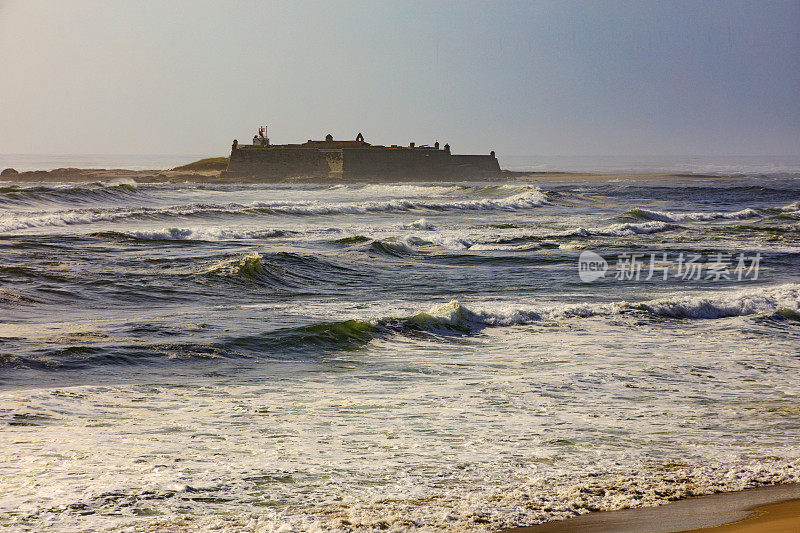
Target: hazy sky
x=551, y=78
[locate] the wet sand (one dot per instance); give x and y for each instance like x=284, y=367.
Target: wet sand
x=781, y=517
x=765, y=509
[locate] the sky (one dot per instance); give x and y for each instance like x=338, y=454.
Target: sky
x=521, y=78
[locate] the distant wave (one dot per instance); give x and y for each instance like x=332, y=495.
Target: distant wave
x=118, y=190
x=400, y=189
x=622, y=230
x=466, y=241
x=282, y=271
x=66, y=218
x=669, y=216
x=525, y=200
x=196, y=234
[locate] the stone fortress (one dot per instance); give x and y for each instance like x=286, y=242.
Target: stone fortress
x=353, y=160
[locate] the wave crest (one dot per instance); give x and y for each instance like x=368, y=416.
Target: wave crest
x=116, y=190
x=199, y=234
x=454, y=318
x=669, y=216
x=524, y=200
x=252, y=268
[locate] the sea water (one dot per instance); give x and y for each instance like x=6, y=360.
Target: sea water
x=392, y=356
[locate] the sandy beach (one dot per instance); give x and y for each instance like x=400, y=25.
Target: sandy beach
x=771, y=509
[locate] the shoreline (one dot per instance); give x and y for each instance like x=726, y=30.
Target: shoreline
x=746, y=511
x=76, y=175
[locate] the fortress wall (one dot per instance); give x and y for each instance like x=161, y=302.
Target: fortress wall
x=483, y=163
x=395, y=162
x=335, y=161
x=278, y=162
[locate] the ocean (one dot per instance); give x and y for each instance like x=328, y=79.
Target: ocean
x=432, y=357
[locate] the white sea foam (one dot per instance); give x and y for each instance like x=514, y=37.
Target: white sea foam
x=502, y=247
x=15, y=221
x=64, y=218
x=523, y=200
x=716, y=305
x=460, y=240
x=421, y=224
x=383, y=462
x=668, y=216
x=405, y=190
x=203, y=234
x=626, y=229
x=121, y=181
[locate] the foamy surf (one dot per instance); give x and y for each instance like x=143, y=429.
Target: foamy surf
x=455, y=318
x=363, y=357
x=667, y=216
x=30, y=195
x=744, y=302
x=203, y=234
x=15, y=221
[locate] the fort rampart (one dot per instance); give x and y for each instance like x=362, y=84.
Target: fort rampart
x=355, y=160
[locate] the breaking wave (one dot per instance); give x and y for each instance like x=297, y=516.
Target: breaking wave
x=252, y=268
x=460, y=242
x=197, y=234
x=454, y=318
x=779, y=299
x=391, y=248
x=421, y=224
x=668, y=216
x=282, y=271
x=524, y=200
x=118, y=190
x=626, y=229
x=66, y=218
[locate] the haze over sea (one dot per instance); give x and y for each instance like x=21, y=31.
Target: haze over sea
x=392, y=356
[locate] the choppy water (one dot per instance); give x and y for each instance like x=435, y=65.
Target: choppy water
x=388, y=356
